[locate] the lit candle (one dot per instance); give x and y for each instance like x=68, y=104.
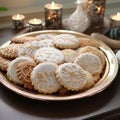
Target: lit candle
x=18, y=17
x=18, y=21
x=115, y=17
x=53, y=5
x=35, y=24
x=53, y=15
x=115, y=20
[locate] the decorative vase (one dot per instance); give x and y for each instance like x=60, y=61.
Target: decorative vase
x=78, y=20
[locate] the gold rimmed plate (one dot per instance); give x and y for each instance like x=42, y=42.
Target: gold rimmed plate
x=109, y=74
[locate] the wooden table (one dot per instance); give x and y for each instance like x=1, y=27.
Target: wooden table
x=15, y=107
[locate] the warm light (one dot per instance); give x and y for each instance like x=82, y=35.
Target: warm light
x=53, y=6
x=18, y=17
x=35, y=21
x=116, y=17
x=118, y=14
x=99, y=9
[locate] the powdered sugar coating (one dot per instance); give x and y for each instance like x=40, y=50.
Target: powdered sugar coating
x=49, y=54
x=89, y=62
x=46, y=43
x=66, y=41
x=71, y=76
x=28, y=49
x=44, y=79
x=46, y=36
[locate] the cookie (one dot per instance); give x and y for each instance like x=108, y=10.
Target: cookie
x=95, y=51
x=46, y=36
x=66, y=41
x=11, y=51
x=24, y=70
x=69, y=55
x=44, y=79
x=71, y=76
x=87, y=42
x=49, y=54
x=12, y=69
x=24, y=39
x=46, y=43
x=89, y=62
x=4, y=63
x=28, y=49
x=90, y=81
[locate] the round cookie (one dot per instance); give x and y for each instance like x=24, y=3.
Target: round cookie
x=71, y=76
x=12, y=69
x=95, y=51
x=49, y=54
x=70, y=55
x=90, y=81
x=66, y=41
x=4, y=63
x=28, y=49
x=24, y=70
x=46, y=43
x=10, y=51
x=89, y=62
x=44, y=79
x=45, y=36
x=24, y=39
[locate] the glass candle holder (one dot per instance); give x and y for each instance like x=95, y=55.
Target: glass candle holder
x=35, y=24
x=53, y=15
x=96, y=10
x=18, y=21
x=115, y=20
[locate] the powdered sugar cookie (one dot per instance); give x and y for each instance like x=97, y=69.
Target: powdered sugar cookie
x=70, y=55
x=28, y=49
x=11, y=51
x=90, y=63
x=49, y=54
x=4, y=63
x=44, y=79
x=66, y=41
x=46, y=36
x=24, y=39
x=12, y=69
x=24, y=70
x=46, y=43
x=90, y=81
x=71, y=76
x=95, y=51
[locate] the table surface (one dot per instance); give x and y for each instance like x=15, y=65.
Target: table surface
x=15, y=107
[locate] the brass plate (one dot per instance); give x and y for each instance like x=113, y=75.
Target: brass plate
x=108, y=76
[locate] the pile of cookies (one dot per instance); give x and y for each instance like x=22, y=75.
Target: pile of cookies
x=53, y=63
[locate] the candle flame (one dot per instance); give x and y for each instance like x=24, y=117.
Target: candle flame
x=52, y=4
x=17, y=15
x=99, y=9
x=35, y=19
x=118, y=14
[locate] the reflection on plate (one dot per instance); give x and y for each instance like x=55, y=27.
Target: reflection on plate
x=107, y=78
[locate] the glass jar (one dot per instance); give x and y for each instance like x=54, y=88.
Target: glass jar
x=96, y=10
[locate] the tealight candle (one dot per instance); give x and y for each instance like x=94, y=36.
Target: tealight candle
x=115, y=20
x=18, y=21
x=35, y=24
x=53, y=15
